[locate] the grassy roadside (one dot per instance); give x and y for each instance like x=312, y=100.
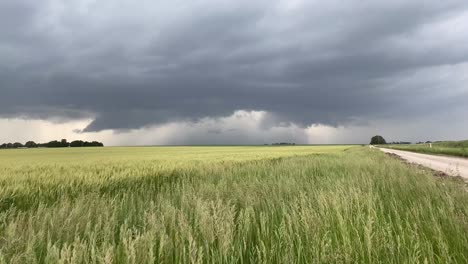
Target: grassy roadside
x=455, y=148
x=354, y=206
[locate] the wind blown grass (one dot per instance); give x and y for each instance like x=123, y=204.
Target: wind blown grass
x=227, y=205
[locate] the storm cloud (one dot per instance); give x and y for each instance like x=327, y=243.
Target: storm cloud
x=131, y=64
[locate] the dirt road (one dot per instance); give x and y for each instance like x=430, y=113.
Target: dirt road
x=450, y=165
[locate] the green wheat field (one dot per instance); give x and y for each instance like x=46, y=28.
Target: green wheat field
x=298, y=204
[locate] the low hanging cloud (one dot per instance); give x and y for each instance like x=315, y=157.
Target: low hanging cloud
x=128, y=65
x=242, y=127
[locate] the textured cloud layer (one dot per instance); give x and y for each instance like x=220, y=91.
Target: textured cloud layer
x=132, y=64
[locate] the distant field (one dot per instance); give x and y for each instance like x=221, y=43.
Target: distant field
x=302, y=204
x=452, y=148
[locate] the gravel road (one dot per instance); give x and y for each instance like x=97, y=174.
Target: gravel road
x=450, y=165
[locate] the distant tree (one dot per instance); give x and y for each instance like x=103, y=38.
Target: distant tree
x=97, y=144
x=378, y=140
x=80, y=143
x=76, y=143
x=17, y=145
x=30, y=144
x=53, y=144
x=64, y=143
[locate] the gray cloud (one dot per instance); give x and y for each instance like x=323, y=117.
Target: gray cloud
x=132, y=64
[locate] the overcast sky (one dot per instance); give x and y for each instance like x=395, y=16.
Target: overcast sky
x=147, y=72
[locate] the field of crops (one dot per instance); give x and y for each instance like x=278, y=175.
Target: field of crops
x=451, y=148
x=302, y=204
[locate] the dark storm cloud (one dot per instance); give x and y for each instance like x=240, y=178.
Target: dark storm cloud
x=130, y=64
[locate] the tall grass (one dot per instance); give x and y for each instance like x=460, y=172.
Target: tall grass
x=341, y=205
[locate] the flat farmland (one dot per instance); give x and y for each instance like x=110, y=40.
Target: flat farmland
x=289, y=204
x=449, y=148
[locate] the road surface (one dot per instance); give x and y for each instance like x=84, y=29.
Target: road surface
x=450, y=165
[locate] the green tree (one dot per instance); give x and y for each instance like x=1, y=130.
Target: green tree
x=378, y=140
x=30, y=144
x=17, y=145
x=64, y=143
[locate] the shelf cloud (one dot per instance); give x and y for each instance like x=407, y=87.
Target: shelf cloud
x=128, y=65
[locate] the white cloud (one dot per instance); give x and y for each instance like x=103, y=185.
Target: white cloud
x=22, y=130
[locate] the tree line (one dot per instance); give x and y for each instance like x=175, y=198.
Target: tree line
x=379, y=140
x=52, y=144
